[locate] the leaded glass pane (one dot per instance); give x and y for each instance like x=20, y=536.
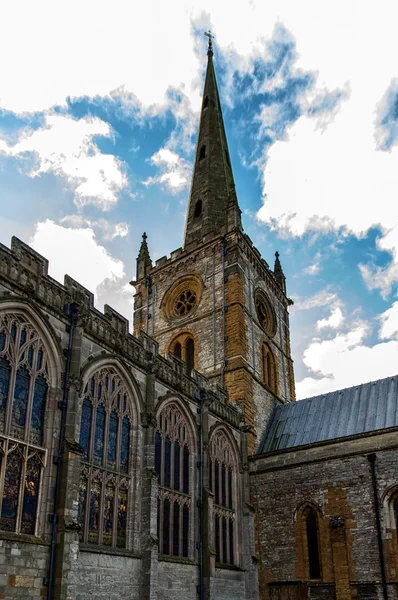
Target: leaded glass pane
x=231, y=542
x=9, y=506
x=125, y=445
x=38, y=408
x=31, y=495
x=112, y=440
x=224, y=540
x=230, y=495
x=217, y=482
x=166, y=527
x=20, y=403
x=217, y=536
x=158, y=445
x=223, y=486
x=99, y=435
x=5, y=373
x=85, y=427
x=39, y=359
x=185, y=530
x=186, y=470
x=2, y=341
x=30, y=356
x=122, y=518
x=167, y=461
x=176, y=529
x=82, y=505
x=94, y=518
x=108, y=516
x=177, y=452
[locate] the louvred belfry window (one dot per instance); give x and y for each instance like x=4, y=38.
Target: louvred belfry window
x=222, y=482
x=105, y=436
x=172, y=457
x=24, y=384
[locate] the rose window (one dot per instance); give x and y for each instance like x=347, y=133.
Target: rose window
x=185, y=303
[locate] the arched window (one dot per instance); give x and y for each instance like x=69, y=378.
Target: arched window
x=222, y=482
x=172, y=457
x=202, y=152
x=268, y=367
x=198, y=209
x=313, y=544
x=105, y=436
x=184, y=348
x=24, y=382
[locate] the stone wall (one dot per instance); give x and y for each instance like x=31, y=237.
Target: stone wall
x=335, y=480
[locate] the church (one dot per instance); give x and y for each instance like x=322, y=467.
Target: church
x=173, y=463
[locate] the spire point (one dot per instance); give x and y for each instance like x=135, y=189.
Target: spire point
x=210, y=37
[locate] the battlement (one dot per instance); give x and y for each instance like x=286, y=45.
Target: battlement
x=24, y=272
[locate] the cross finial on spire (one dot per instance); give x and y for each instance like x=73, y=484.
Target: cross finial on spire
x=210, y=36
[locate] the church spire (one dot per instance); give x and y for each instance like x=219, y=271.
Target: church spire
x=213, y=207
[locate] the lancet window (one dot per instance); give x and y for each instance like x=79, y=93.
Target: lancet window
x=24, y=384
x=173, y=447
x=105, y=436
x=222, y=482
x=312, y=535
x=268, y=367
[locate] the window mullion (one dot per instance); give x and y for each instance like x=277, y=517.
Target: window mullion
x=10, y=400
x=21, y=490
x=88, y=505
x=94, y=404
x=119, y=441
x=106, y=436
x=30, y=402
x=3, y=471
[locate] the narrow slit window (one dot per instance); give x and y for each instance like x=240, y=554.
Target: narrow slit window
x=202, y=152
x=313, y=546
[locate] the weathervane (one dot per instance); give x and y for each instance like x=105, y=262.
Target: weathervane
x=210, y=35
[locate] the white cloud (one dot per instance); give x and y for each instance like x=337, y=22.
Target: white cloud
x=322, y=298
x=345, y=361
x=76, y=252
x=334, y=321
x=65, y=147
x=174, y=171
x=109, y=231
x=389, y=322
x=383, y=278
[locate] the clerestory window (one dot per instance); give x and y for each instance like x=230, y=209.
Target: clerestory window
x=172, y=464
x=105, y=436
x=222, y=482
x=24, y=384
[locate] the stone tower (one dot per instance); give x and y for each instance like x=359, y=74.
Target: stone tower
x=215, y=303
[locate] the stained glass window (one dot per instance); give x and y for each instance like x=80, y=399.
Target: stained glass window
x=222, y=483
x=20, y=403
x=99, y=435
x=24, y=384
x=38, y=407
x=5, y=373
x=31, y=492
x=105, y=439
x=172, y=456
x=9, y=507
x=85, y=427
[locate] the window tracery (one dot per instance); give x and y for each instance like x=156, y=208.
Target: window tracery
x=172, y=465
x=105, y=433
x=222, y=482
x=24, y=384
x=268, y=367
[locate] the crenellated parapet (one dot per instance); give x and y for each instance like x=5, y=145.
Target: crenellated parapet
x=24, y=274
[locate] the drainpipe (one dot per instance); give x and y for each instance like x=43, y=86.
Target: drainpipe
x=224, y=308
x=201, y=586
x=251, y=319
x=372, y=462
x=71, y=310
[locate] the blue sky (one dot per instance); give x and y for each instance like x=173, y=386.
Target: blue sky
x=98, y=119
